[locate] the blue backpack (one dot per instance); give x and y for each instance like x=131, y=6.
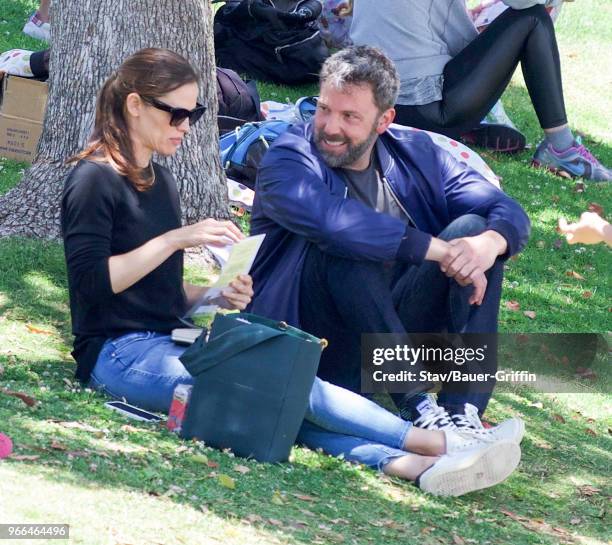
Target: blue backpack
x=243, y=149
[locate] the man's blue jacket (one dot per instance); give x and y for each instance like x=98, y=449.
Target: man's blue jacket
x=300, y=201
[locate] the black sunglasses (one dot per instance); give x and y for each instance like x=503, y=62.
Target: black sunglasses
x=178, y=115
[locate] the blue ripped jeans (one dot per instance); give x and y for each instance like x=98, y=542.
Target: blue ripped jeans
x=144, y=368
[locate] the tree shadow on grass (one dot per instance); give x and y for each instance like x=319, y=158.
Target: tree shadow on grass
x=151, y=460
x=33, y=284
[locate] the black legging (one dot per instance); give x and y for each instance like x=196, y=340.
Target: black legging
x=476, y=78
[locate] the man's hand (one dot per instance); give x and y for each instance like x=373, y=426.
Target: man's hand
x=468, y=258
x=470, y=253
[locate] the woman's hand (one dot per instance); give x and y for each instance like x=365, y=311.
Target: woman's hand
x=209, y=231
x=240, y=292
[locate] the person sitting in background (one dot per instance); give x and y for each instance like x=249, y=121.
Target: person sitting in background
x=38, y=24
x=124, y=243
x=451, y=76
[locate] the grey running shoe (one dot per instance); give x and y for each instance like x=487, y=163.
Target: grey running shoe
x=575, y=162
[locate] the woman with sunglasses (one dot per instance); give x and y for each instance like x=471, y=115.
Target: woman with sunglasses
x=123, y=239
x=124, y=247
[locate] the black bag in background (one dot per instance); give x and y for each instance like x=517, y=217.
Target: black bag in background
x=238, y=101
x=271, y=41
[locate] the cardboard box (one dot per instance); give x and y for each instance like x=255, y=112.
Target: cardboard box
x=22, y=111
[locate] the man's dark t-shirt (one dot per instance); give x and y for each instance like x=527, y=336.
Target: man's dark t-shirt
x=368, y=187
x=103, y=215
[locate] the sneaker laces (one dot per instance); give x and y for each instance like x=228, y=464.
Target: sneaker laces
x=469, y=419
x=470, y=423
x=584, y=152
x=435, y=418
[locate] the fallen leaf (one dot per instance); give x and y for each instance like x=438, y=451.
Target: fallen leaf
x=597, y=208
x=513, y=305
x=28, y=400
x=539, y=526
x=574, y=274
x=304, y=497
x=457, y=540
x=579, y=187
x=24, y=457
x=588, y=490
x=254, y=518
x=537, y=405
x=275, y=522
x=589, y=431
x=212, y=464
x=37, y=330
x=200, y=459
x=530, y=314
x=559, y=418
x=67, y=382
x=226, y=481
x=277, y=499
x=241, y=469
x=575, y=520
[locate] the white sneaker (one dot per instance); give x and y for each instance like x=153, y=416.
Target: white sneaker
x=35, y=28
x=433, y=416
x=485, y=465
x=469, y=423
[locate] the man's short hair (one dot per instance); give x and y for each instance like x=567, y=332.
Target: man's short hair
x=363, y=64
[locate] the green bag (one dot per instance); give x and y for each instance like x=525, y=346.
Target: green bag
x=253, y=377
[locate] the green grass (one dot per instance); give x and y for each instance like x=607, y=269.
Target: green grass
x=136, y=483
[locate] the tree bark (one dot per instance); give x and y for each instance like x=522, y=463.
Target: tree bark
x=90, y=39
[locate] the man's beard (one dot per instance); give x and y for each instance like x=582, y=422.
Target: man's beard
x=353, y=152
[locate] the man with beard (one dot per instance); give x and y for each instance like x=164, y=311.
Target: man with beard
x=371, y=228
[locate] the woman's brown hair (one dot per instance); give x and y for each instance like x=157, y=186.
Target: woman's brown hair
x=150, y=73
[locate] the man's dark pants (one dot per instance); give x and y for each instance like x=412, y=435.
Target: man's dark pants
x=342, y=298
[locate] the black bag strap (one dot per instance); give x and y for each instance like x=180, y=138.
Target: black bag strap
x=204, y=355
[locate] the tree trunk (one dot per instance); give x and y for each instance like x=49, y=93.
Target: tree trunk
x=90, y=39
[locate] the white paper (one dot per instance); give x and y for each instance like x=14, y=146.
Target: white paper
x=240, y=260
